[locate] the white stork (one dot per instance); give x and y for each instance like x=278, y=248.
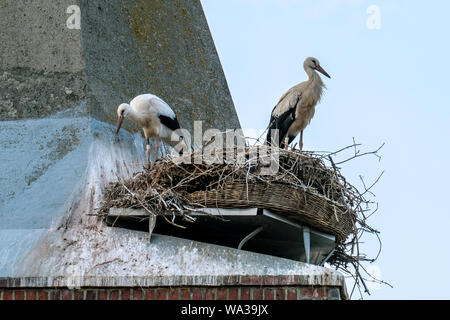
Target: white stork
x=296, y=107
x=156, y=119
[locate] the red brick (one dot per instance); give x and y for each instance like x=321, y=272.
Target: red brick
x=138, y=294
x=7, y=295
x=19, y=295
x=319, y=293
x=149, y=294
x=161, y=294
x=292, y=294
x=231, y=280
x=114, y=295
x=251, y=280
x=233, y=293
x=91, y=294
x=245, y=293
x=126, y=294
x=313, y=292
x=197, y=294
x=210, y=294
x=55, y=295
x=31, y=294
x=257, y=293
x=14, y=282
x=288, y=280
x=78, y=295
x=221, y=294
x=268, y=294
x=185, y=294
x=306, y=292
x=270, y=280
x=102, y=295
x=173, y=294
x=280, y=294
x=43, y=295
x=333, y=294
x=66, y=294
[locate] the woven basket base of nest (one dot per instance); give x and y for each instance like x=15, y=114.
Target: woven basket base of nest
x=288, y=201
x=303, y=189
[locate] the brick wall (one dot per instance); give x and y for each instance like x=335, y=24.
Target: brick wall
x=168, y=293
x=231, y=287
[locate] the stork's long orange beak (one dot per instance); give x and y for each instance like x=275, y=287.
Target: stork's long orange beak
x=119, y=123
x=320, y=69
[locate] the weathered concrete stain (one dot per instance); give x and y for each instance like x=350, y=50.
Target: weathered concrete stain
x=41, y=63
x=28, y=94
x=35, y=36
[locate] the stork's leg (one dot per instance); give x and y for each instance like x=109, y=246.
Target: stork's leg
x=157, y=148
x=285, y=142
x=301, y=140
x=293, y=147
x=147, y=146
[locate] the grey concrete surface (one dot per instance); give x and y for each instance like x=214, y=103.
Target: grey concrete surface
x=34, y=35
x=45, y=158
x=59, y=90
x=161, y=47
x=27, y=93
x=41, y=61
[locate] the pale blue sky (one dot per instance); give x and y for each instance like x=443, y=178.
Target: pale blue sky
x=388, y=85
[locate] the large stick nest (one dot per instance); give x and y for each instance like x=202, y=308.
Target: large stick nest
x=302, y=188
x=299, y=186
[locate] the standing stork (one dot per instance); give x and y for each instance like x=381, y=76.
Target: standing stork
x=156, y=119
x=296, y=107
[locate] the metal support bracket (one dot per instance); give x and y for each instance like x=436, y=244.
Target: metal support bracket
x=307, y=243
x=251, y=235
x=327, y=257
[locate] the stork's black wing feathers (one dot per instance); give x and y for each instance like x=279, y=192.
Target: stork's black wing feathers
x=282, y=123
x=171, y=123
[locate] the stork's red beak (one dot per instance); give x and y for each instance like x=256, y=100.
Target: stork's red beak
x=119, y=123
x=320, y=69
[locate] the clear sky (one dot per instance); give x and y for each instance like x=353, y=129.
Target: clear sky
x=389, y=84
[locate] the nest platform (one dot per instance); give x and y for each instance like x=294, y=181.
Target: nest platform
x=302, y=189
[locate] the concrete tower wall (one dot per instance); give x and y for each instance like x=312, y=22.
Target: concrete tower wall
x=65, y=67
x=59, y=89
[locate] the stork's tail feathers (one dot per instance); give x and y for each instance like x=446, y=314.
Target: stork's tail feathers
x=273, y=138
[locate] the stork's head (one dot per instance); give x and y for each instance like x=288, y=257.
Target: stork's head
x=122, y=112
x=314, y=64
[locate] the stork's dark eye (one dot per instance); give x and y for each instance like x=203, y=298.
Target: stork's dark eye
x=123, y=111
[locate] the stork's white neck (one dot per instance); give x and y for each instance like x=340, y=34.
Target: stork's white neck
x=314, y=78
x=131, y=113
x=313, y=87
